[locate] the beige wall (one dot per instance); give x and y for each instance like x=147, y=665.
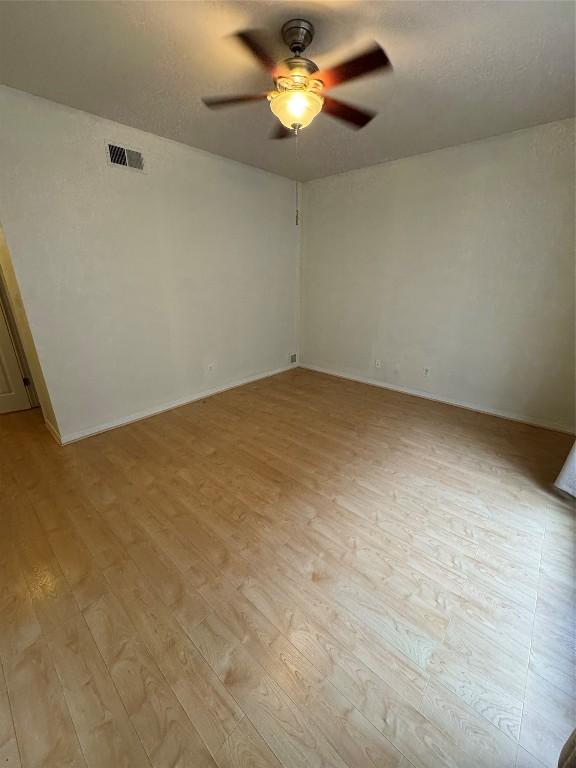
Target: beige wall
x=142, y=290
x=459, y=261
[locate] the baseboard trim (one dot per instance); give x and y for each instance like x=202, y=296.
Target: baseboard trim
x=141, y=415
x=435, y=398
x=53, y=431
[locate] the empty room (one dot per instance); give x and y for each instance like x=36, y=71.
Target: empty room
x=287, y=384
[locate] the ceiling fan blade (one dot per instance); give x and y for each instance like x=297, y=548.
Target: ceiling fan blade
x=217, y=102
x=355, y=117
x=281, y=132
x=250, y=39
x=371, y=60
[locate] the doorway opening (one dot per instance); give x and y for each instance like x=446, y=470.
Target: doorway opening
x=22, y=382
x=17, y=391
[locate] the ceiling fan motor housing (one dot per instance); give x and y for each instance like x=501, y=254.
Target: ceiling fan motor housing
x=295, y=65
x=297, y=34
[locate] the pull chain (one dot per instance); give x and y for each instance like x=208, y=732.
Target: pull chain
x=297, y=206
x=297, y=140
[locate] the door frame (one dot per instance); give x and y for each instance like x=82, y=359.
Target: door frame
x=17, y=345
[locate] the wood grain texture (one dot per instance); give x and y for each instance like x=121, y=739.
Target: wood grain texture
x=302, y=572
x=245, y=748
x=42, y=721
x=526, y=760
x=104, y=730
x=167, y=734
x=9, y=755
x=548, y=719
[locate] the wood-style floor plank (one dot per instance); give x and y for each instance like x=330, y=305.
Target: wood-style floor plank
x=19, y=625
x=245, y=748
x=473, y=733
x=167, y=734
x=44, y=729
x=212, y=711
x=548, y=719
x=105, y=733
x=303, y=572
x=285, y=727
x=9, y=754
x=357, y=740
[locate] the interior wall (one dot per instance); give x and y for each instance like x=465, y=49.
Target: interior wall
x=450, y=274
x=143, y=290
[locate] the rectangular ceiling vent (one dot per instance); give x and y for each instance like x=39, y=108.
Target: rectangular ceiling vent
x=128, y=157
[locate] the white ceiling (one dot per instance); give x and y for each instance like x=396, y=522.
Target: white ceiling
x=462, y=71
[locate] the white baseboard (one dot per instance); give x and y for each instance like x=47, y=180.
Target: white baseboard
x=437, y=399
x=53, y=431
x=96, y=430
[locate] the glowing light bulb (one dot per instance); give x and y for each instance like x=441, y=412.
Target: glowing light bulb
x=296, y=108
x=297, y=104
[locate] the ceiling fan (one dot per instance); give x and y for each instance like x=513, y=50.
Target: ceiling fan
x=300, y=87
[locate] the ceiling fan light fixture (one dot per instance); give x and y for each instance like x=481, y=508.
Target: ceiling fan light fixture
x=299, y=85
x=296, y=108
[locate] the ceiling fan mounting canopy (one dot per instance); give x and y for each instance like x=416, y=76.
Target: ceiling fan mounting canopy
x=297, y=34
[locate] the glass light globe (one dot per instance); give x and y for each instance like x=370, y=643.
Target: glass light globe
x=296, y=108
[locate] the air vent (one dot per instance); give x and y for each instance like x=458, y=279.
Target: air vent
x=135, y=159
x=128, y=157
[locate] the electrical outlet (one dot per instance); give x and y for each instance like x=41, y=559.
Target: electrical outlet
x=426, y=371
x=210, y=367
x=378, y=363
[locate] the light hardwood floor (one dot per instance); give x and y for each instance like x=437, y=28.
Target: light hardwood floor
x=303, y=572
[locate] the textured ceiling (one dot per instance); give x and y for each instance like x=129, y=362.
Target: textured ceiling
x=463, y=71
